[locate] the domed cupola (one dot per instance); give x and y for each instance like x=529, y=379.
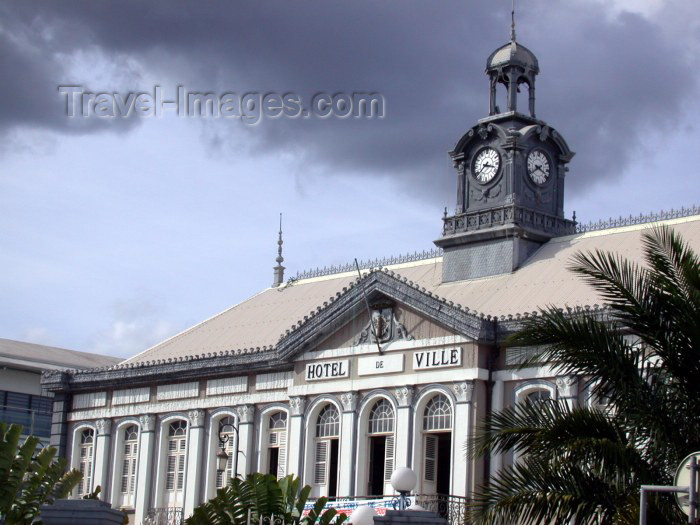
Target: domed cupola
x=512, y=65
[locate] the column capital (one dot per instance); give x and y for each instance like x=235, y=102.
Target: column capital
x=196, y=418
x=148, y=422
x=567, y=386
x=104, y=427
x=404, y=395
x=297, y=405
x=349, y=401
x=245, y=413
x=464, y=390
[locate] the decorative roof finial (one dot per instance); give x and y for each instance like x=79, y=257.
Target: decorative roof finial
x=512, y=22
x=279, y=269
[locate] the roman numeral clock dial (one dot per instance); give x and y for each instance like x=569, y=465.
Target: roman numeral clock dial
x=538, y=167
x=486, y=165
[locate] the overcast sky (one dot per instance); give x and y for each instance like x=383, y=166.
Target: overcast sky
x=117, y=233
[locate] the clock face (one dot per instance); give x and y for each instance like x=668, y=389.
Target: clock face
x=486, y=164
x=538, y=166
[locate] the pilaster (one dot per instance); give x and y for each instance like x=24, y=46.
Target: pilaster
x=404, y=426
x=144, y=476
x=246, y=432
x=348, y=433
x=295, y=441
x=461, y=429
x=102, y=449
x=567, y=390
x=195, y=445
x=497, y=398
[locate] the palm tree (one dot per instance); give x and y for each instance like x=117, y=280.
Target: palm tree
x=585, y=465
x=261, y=498
x=29, y=477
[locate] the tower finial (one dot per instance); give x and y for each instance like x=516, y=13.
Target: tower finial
x=512, y=22
x=279, y=269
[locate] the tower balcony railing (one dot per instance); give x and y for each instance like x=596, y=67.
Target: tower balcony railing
x=507, y=214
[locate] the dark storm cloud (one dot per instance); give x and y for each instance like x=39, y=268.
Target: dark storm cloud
x=605, y=82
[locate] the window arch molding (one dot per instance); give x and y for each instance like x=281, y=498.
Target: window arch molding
x=311, y=417
x=362, y=446
x=262, y=420
x=421, y=400
x=164, y=422
x=75, y=451
x=214, y=418
x=118, y=452
x=526, y=388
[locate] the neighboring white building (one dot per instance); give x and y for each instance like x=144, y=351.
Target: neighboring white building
x=22, y=399
x=341, y=379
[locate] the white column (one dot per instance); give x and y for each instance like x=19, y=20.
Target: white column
x=246, y=444
x=497, y=399
x=461, y=430
x=195, y=445
x=295, y=440
x=404, y=430
x=104, y=429
x=567, y=389
x=348, y=434
x=144, y=477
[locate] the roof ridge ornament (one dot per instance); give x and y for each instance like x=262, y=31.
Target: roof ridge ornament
x=279, y=269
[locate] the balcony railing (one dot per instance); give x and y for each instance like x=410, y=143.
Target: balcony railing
x=452, y=508
x=164, y=516
x=34, y=422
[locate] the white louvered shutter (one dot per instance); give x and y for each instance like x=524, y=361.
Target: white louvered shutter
x=389, y=458
x=282, y=455
x=321, y=462
x=430, y=457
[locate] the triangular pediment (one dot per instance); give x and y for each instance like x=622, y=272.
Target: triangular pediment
x=338, y=322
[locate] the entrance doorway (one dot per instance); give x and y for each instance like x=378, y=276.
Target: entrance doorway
x=377, y=457
x=444, y=465
x=333, y=469
x=274, y=461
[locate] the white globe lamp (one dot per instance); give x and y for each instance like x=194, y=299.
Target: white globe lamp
x=362, y=516
x=404, y=481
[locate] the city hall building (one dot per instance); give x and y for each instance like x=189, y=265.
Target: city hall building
x=339, y=378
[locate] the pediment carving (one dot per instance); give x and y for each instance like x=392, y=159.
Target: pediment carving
x=383, y=327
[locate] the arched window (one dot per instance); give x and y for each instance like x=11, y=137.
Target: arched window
x=438, y=414
x=277, y=444
x=381, y=418
x=437, y=444
x=538, y=396
x=87, y=441
x=226, y=431
x=177, y=447
x=328, y=424
x=380, y=428
x=129, y=464
x=326, y=457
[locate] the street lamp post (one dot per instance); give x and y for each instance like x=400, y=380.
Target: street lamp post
x=224, y=437
x=403, y=480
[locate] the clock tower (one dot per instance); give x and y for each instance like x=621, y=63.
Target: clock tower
x=510, y=178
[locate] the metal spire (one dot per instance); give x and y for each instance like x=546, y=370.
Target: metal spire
x=512, y=22
x=279, y=269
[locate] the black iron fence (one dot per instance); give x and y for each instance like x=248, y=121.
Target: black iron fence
x=165, y=516
x=452, y=508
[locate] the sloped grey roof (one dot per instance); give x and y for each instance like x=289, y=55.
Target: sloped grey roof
x=258, y=323
x=42, y=357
